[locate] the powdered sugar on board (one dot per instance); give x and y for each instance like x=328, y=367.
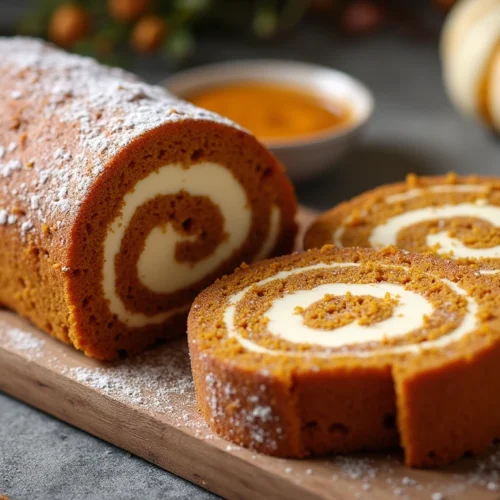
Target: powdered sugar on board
x=19, y=340
x=155, y=380
x=159, y=383
x=65, y=117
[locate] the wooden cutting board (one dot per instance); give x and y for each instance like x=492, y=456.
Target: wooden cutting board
x=146, y=405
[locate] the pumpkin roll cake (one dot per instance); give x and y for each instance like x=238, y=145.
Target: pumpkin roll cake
x=452, y=217
x=119, y=202
x=338, y=350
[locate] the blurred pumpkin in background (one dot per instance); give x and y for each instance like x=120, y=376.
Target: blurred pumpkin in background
x=148, y=34
x=114, y=30
x=69, y=24
x=127, y=10
x=470, y=50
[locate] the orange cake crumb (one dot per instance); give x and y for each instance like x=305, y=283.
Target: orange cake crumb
x=339, y=350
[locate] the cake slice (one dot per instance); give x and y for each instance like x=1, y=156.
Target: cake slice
x=343, y=350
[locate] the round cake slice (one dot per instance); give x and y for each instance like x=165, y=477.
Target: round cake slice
x=340, y=350
x=453, y=217
x=119, y=202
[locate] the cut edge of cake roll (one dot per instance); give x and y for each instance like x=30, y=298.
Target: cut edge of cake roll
x=454, y=217
x=344, y=350
x=120, y=202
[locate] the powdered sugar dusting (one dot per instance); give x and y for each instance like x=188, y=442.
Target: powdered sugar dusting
x=159, y=382
x=249, y=410
x=19, y=340
x=385, y=474
x=83, y=114
x=154, y=380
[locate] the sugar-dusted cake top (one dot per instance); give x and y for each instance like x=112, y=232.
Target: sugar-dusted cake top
x=63, y=118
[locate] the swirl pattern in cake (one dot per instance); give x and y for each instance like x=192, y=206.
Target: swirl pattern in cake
x=119, y=202
x=338, y=350
x=453, y=217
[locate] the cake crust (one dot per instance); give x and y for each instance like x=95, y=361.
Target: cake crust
x=267, y=380
x=119, y=202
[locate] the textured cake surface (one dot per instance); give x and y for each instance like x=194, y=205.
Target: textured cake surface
x=452, y=217
x=119, y=202
x=339, y=350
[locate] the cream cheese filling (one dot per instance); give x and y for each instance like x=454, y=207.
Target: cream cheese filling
x=407, y=314
x=415, y=193
x=285, y=323
x=386, y=233
x=272, y=235
x=158, y=270
x=440, y=188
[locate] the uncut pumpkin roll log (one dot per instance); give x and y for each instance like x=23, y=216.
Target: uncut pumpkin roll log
x=119, y=202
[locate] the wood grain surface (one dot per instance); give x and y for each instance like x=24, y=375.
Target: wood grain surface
x=146, y=406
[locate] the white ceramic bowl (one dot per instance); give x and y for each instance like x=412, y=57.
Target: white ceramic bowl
x=312, y=155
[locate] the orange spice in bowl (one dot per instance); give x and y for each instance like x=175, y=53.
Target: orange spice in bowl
x=309, y=116
x=274, y=111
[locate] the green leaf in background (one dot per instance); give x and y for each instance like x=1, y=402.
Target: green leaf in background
x=96, y=48
x=85, y=47
x=179, y=44
x=193, y=6
x=293, y=12
x=265, y=21
x=114, y=31
x=36, y=20
x=119, y=27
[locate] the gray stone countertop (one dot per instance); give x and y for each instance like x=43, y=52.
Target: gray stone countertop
x=414, y=129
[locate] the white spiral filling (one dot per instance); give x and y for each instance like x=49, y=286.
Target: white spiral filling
x=289, y=326
x=272, y=234
x=387, y=233
x=440, y=188
x=415, y=193
x=158, y=269
x=407, y=316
